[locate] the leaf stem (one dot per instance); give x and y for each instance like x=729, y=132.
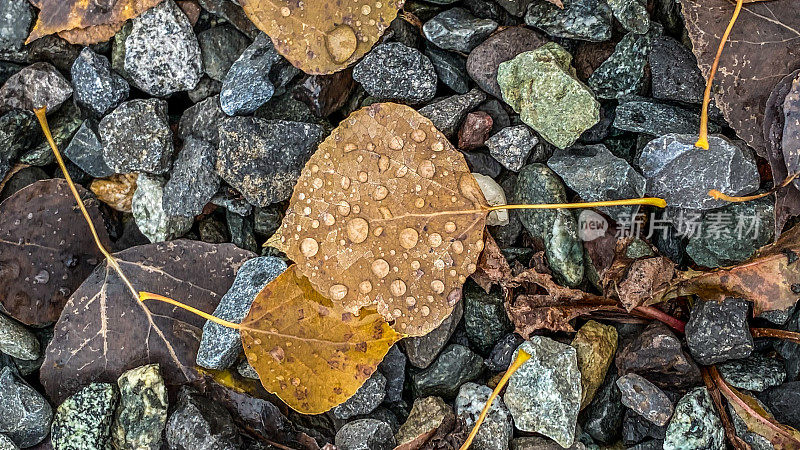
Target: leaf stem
x=657, y=314
x=653, y=201
x=773, y=333
x=702, y=140
x=150, y=296
x=728, y=198
x=522, y=356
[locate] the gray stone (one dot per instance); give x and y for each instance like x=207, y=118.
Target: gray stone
x=17, y=341
x=205, y=88
x=162, y=55
x=16, y=135
x=365, y=400
x=675, y=75
x=755, y=440
x=515, y=7
x=782, y=401
x=657, y=354
x=500, y=357
x=512, y=145
x=682, y=174
x=645, y=398
x=365, y=434
x=142, y=412
x=246, y=370
x=266, y=221
x=136, y=137
x=198, y=423
x=597, y=175
x=7, y=69
x=754, y=373
x=35, y=86
x=695, y=424
x=658, y=119
x=393, y=368
x=588, y=20
x=422, y=350
x=622, y=74
x=448, y=113
x=393, y=71
x=485, y=317
x=719, y=331
x=193, y=181
x=86, y=151
x=220, y=346
x=6, y=443
x=482, y=163
x=638, y=430
x=202, y=121
x=790, y=351
x=557, y=229
x=458, y=30
x=497, y=429
x=544, y=394
x=241, y=230
x=451, y=68
x=64, y=123
x=220, y=47
x=83, y=421
x=26, y=414
x=147, y=206
x=427, y=415
x=16, y=17
x=604, y=414
x=97, y=88
x=263, y=158
x=455, y=366
x=542, y=443
x=632, y=14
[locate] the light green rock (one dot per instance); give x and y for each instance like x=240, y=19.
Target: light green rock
x=83, y=421
x=142, y=412
x=542, y=87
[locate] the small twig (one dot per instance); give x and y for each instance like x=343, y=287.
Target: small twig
x=730, y=432
x=657, y=314
x=773, y=333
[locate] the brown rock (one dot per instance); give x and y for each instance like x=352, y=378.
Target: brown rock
x=325, y=94
x=116, y=191
x=656, y=354
x=425, y=418
x=474, y=131
x=589, y=56
x=484, y=60
x=595, y=344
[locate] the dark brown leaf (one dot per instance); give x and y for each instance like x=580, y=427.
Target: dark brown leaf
x=492, y=265
x=635, y=281
x=104, y=331
x=45, y=249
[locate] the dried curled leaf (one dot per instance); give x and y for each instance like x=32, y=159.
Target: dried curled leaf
x=387, y=213
x=85, y=22
x=322, y=36
x=308, y=350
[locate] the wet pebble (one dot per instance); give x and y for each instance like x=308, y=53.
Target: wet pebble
x=458, y=30
x=393, y=71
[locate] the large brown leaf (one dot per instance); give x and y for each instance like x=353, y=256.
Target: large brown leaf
x=763, y=47
x=45, y=249
x=322, y=36
x=636, y=280
x=387, y=213
x=104, y=330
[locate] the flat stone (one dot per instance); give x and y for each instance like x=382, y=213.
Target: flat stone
x=86, y=151
x=719, y=331
x=512, y=145
x=220, y=47
x=35, y=86
x=658, y=119
x=393, y=368
x=202, y=121
x=198, y=423
x=483, y=164
x=263, y=158
x=539, y=83
x=458, y=30
x=97, y=88
x=220, y=346
x=485, y=59
x=645, y=398
x=695, y=424
x=365, y=400
x=422, y=350
x=544, y=394
x=162, y=55
x=622, y=74
x=500, y=357
x=365, y=434
x=451, y=68
x=682, y=174
x=136, y=137
x=656, y=354
x=142, y=412
x=588, y=20
x=427, y=415
x=147, y=206
x=675, y=75
x=193, y=181
x=455, y=366
x=782, y=401
x=16, y=135
x=604, y=415
x=26, y=414
x=16, y=17
x=83, y=421
x=393, y=71
x=595, y=345
x=17, y=341
x=754, y=373
x=474, y=130
x=485, y=317
x=448, y=113
x=497, y=429
x=632, y=14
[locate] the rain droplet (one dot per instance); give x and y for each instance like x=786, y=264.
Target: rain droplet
x=378, y=231
x=309, y=247
x=317, y=183
x=458, y=247
x=435, y=239
x=362, y=177
x=42, y=277
x=381, y=192
x=285, y=11
x=341, y=43
x=397, y=288
x=349, y=147
x=380, y=268
x=471, y=268
x=450, y=227
x=396, y=143
x=437, y=286
x=337, y=291
x=343, y=208
x=418, y=135
x=415, y=265
x=344, y=182
x=315, y=223
x=411, y=301
x=419, y=203
x=307, y=210
x=366, y=9
x=383, y=163
x=358, y=230
x=437, y=146
x=426, y=169
x=408, y=238
x=425, y=311
x=401, y=171
x=328, y=219
x=365, y=287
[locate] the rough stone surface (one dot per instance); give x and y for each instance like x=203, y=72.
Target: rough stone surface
x=645, y=398
x=595, y=345
x=393, y=368
x=162, y=55
x=455, y=366
x=35, y=86
x=16, y=17
x=632, y=14
x=638, y=430
x=541, y=86
x=83, y=421
x=193, y=181
x=719, y=331
x=365, y=434
x=755, y=440
x=197, y=423
x=754, y=373
x=427, y=414
x=500, y=357
x=674, y=71
x=26, y=414
x=588, y=20
x=658, y=119
x=474, y=130
x=202, y=121
x=64, y=123
x=512, y=145
x=422, y=350
x=695, y=424
x=622, y=74
x=142, y=412
x=451, y=68
x=220, y=47
x=263, y=158
x=148, y=211
x=458, y=30
x=484, y=60
x=136, y=137
x=485, y=318
x=544, y=394
x=220, y=346
x=365, y=400
x=6, y=443
x=97, y=88
x=782, y=401
x=682, y=174
x=497, y=429
x=16, y=134
x=18, y=341
x=393, y=71
x=604, y=415
x=448, y=113
x=86, y=151
x=656, y=354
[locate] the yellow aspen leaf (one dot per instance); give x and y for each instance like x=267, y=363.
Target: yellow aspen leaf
x=308, y=350
x=322, y=36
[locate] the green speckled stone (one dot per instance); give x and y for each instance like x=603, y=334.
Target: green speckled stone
x=142, y=412
x=83, y=421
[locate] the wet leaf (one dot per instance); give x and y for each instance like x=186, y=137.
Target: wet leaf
x=45, y=250
x=116, y=191
x=322, y=36
x=387, y=213
x=85, y=22
x=104, y=330
x=493, y=267
x=636, y=280
x=308, y=350
x=764, y=46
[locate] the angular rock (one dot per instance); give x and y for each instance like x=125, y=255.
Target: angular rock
x=484, y=60
x=632, y=14
x=658, y=119
x=83, y=421
x=483, y=164
x=26, y=414
x=638, y=430
x=540, y=85
x=682, y=174
x=754, y=373
x=220, y=47
x=365, y=434
x=719, y=331
x=263, y=158
x=782, y=401
x=142, y=412
x=512, y=145
x=544, y=394
x=422, y=350
x=6, y=443
x=64, y=123
x=16, y=134
x=136, y=137
x=695, y=424
x=202, y=121
x=17, y=341
x=604, y=415
x=194, y=179
x=448, y=113
x=393, y=368
x=675, y=74
x=500, y=357
x=162, y=55
x=16, y=17
x=494, y=195
x=148, y=211
x=656, y=354
x=393, y=71
x=117, y=191
x=645, y=398
x=485, y=318
x=365, y=400
x=197, y=423
x=497, y=429
x=451, y=68
x=427, y=415
x=474, y=130
x=35, y=86
x=458, y=30
x=622, y=74
x=205, y=88
x=220, y=346
x=86, y=151
x=326, y=94
x=97, y=88
x=455, y=366
x=595, y=345
x=588, y=20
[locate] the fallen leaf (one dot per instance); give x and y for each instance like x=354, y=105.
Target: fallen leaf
x=309, y=351
x=116, y=191
x=14, y=169
x=635, y=281
x=557, y=3
x=387, y=213
x=322, y=36
x=85, y=22
x=492, y=265
x=104, y=330
x=764, y=46
x=45, y=251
